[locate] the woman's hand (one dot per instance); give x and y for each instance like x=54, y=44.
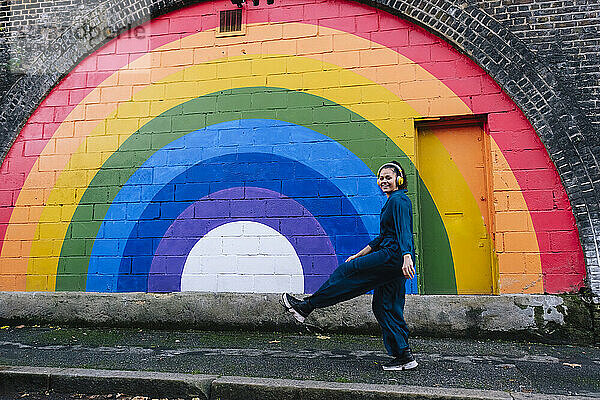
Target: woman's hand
x=408, y=269
x=367, y=249
x=352, y=257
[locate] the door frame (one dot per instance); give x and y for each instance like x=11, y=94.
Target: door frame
x=459, y=121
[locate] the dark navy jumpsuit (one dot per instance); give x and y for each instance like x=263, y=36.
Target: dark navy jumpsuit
x=380, y=271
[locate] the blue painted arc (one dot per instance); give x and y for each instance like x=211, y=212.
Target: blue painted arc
x=347, y=232
x=335, y=164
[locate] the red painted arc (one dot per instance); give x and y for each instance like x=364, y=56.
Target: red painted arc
x=456, y=71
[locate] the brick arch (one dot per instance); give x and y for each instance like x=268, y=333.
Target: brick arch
x=535, y=88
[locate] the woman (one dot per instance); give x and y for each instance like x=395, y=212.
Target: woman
x=383, y=266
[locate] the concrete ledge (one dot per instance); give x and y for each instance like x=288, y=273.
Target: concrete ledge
x=545, y=318
x=161, y=385
x=94, y=381
x=16, y=379
x=284, y=389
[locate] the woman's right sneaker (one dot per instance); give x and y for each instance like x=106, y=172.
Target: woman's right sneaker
x=401, y=363
x=299, y=308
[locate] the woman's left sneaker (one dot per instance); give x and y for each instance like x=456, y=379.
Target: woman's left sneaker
x=404, y=362
x=299, y=308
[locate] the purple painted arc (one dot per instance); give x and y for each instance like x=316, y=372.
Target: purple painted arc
x=285, y=215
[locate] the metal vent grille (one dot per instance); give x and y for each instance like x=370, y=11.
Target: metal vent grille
x=231, y=21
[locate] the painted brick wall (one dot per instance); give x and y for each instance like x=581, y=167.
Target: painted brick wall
x=548, y=206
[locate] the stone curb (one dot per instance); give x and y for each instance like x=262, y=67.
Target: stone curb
x=546, y=318
x=97, y=381
x=209, y=387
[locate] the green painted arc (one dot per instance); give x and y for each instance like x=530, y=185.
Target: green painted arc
x=349, y=129
x=433, y=264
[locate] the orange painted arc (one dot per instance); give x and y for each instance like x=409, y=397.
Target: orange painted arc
x=65, y=144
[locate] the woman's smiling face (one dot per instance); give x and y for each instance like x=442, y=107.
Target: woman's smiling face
x=387, y=180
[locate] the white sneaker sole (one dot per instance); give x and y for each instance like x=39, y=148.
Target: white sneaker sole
x=403, y=367
x=289, y=307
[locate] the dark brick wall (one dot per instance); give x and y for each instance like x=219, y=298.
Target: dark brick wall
x=544, y=53
x=564, y=34
x=28, y=27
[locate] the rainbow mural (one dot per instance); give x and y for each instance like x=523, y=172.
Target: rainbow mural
x=184, y=160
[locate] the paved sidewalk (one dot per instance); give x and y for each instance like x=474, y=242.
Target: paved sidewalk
x=503, y=367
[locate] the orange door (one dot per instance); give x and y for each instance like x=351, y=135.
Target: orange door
x=454, y=167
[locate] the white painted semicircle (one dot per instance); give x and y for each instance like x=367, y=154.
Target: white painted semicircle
x=243, y=257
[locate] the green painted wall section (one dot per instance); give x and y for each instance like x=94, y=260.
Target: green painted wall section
x=352, y=131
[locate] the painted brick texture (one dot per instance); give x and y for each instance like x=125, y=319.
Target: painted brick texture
x=534, y=223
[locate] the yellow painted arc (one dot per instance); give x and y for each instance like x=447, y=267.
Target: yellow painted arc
x=90, y=113
x=389, y=111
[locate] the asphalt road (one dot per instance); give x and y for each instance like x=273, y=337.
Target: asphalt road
x=453, y=363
